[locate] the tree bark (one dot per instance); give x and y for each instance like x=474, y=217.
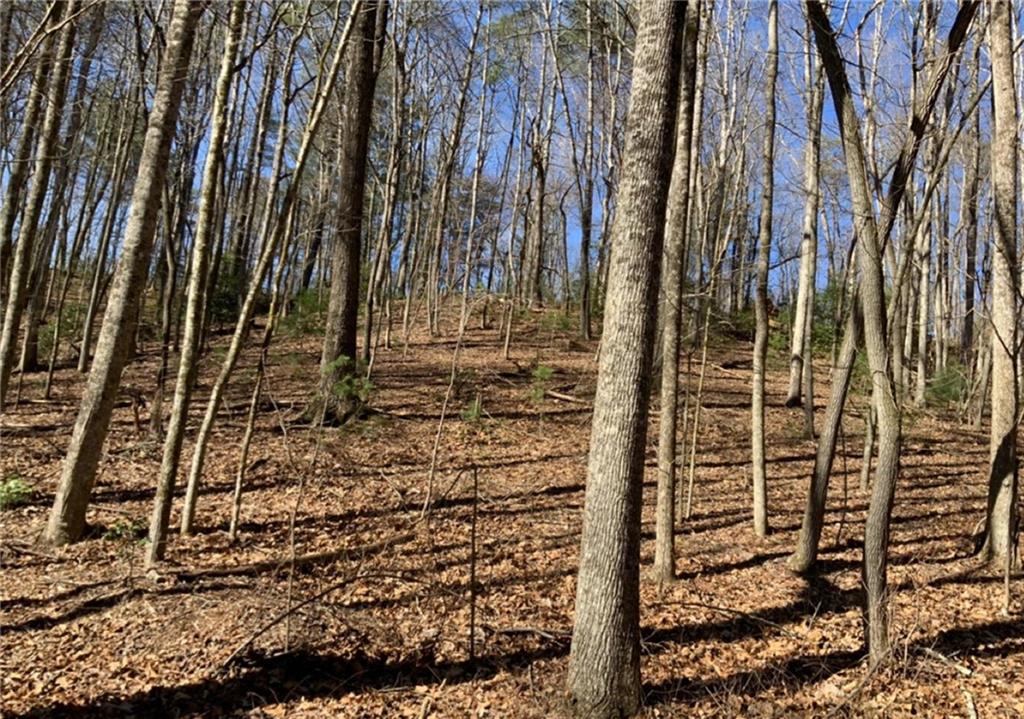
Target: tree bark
x=1002, y=490
x=604, y=663
x=676, y=234
x=764, y=245
x=67, y=517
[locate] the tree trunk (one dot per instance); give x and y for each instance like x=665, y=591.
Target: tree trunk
x=764, y=245
x=188, y=362
x=676, y=234
x=1005, y=391
x=338, y=357
x=24, y=250
x=803, y=321
x=67, y=517
x=604, y=663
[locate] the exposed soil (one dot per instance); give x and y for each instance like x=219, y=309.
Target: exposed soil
x=87, y=633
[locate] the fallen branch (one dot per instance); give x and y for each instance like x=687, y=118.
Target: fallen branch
x=565, y=397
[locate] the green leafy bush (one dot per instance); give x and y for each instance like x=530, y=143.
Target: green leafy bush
x=351, y=387
x=14, y=491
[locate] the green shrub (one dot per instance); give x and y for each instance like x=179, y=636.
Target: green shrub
x=351, y=387
x=14, y=491
x=71, y=318
x=307, y=315
x=948, y=386
x=542, y=375
x=472, y=413
x=126, y=529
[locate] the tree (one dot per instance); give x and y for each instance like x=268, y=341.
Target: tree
x=1002, y=491
x=677, y=232
x=764, y=248
x=25, y=248
x=800, y=348
x=872, y=297
x=67, y=516
x=188, y=360
x=604, y=663
x=810, y=531
x=339, y=346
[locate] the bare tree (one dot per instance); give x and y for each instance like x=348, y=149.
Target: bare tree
x=677, y=233
x=764, y=248
x=25, y=248
x=604, y=663
x=67, y=517
x=201, y=246
x=338, y=357
x=1002, y=492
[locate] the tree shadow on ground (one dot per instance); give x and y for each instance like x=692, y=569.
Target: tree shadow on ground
x=265, y=680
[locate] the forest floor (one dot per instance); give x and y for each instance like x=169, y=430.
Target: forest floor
x=381, y=618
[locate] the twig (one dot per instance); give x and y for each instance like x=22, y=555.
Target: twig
x=19, y=548
x=736, y=612
x=960, y=668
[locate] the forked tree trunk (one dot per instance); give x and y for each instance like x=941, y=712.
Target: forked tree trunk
x=872, y=292
x=810, y=532
x=604, y=662
x=676, y=234
x=1002, y=494
x=764, y=248
x=67, y=517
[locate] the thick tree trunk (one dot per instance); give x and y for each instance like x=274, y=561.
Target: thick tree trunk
x=67, y=517
x=764, y=245
x=604, y=663
x=1002, y=491
x=338, y=357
